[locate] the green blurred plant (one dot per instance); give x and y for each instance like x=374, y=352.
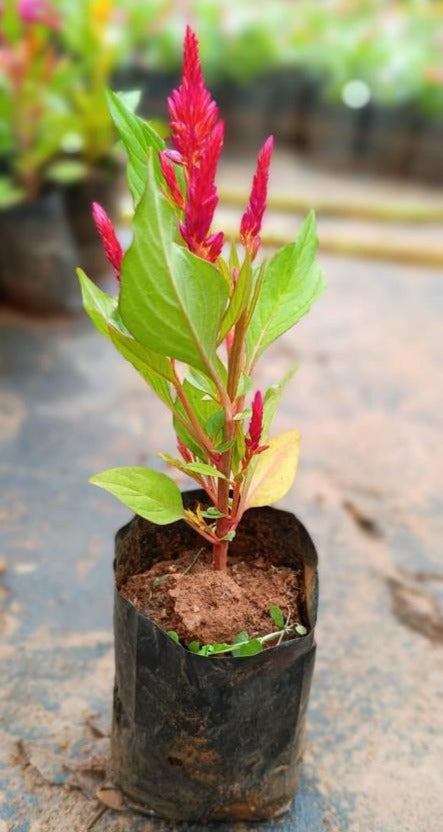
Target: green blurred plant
x=34, y=114
x=94, y=37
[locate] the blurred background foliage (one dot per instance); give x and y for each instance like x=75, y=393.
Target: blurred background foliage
x=57, y=57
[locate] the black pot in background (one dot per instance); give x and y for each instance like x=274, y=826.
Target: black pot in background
x=427, y=164
x=204, y=739
x=331, y=134
x=291, y=99
x=101, y=186
x=155, y=87
x=387, y=139
x=38, y=256
x=244, y=110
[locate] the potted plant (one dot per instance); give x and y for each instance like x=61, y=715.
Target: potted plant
x=36, y=265
x=216, y=592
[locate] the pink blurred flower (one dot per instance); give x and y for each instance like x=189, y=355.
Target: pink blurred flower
x=38, y=11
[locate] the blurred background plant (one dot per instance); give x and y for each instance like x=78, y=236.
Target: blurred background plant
x=57, y=57
x=347, y=84
x=34, y=113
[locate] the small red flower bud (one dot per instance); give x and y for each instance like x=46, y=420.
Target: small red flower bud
x=252, y=441
x=185, y=452
x=111, y=245
x=253, y=217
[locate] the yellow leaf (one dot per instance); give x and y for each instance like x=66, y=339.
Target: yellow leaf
x=275, y=470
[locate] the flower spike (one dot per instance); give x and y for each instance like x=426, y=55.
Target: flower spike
x=111, y=245
x=197, y=136
x=193, y=112
x=253, y=217
x=253, y=438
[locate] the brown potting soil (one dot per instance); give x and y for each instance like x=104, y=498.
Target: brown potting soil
x=185, y=594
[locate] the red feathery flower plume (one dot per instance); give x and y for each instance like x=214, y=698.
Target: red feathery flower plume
x=192, y=110
x=197, y=136
x=253, y=217
x=201, y=200
x=111, y=245
x=253, y=438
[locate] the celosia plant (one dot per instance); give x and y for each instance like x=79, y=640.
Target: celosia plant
x=194, y=323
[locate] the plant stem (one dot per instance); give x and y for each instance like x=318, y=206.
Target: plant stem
x=199, y=434
x=235, y=367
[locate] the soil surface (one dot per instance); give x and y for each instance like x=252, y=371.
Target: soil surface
x=186, y=595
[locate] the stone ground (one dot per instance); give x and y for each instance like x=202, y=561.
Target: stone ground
x=368, y=399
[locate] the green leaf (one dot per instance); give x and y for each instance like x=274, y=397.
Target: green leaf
x=239, y=449
x=243, y=414
x=250, y=648
x=234, y=262
x=230, y=536
x=203, y=408
x=212, y=512
x=155, y=369
x=214, y=424
x=300, y=629
x=272, y=400
x=219, y=648
x=292, y=282
x=244, y=385
x=170, y=300
x=194, y=646
x=138, y=138
x=203, y=468
x=202, y=382
x=149, y=493
x=274, y=470
x=129, y=98
x=213, y=649
x=103, y=311
x=240, y=638
x=172, y=634
x=225, y=446
x=97, y=304
x=277, y=616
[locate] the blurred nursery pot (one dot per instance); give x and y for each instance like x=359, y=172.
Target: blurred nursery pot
x=199, y=738
x=101, y=185
x=38, y=256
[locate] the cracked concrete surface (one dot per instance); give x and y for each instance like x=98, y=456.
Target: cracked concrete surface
x=368, y=400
